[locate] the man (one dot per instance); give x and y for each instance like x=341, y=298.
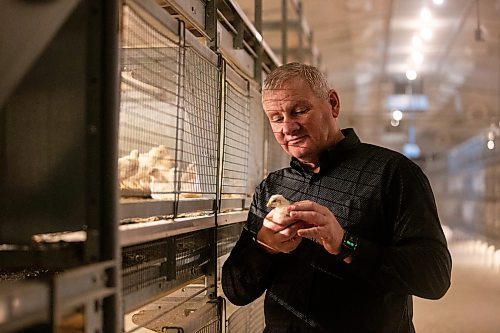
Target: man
x=360, y=237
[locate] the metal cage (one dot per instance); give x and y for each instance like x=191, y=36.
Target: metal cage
x=149, y=105
x=169, y=114
x=199, y=136
x=236, y=135
x=155, y=268
x=258, y=119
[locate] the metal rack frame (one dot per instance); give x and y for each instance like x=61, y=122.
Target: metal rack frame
x=466, y=182
x=59, y=162
x=219, y=33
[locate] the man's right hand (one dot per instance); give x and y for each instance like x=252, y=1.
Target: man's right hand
x=279, y=235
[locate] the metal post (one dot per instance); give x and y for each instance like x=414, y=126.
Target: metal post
x=300, y=51
x=211, y=23
x=258, y=49
x=284, y=30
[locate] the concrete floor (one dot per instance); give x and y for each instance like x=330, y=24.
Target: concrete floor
x=473, y=302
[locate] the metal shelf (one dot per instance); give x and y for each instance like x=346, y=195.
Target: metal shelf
x=131, y=234
x=48, y=302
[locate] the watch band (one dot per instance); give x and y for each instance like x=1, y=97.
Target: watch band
x=348, y=245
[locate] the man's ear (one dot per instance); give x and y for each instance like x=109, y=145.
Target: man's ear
x=333, y=98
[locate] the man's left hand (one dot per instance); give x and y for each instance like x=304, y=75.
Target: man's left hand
x=323, y=224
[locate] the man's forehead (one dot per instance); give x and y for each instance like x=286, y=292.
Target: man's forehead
x=283, y=94
x=282, y=104
x=295, y=100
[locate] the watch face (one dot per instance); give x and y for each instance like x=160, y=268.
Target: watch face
x=349, y=241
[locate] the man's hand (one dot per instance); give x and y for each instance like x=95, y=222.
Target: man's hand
x=279, y=235
x=320, y=223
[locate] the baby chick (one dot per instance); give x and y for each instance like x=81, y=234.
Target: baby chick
x=279, y=204
x=128, y=165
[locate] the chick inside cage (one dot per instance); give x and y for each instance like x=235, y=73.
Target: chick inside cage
x=168, y=115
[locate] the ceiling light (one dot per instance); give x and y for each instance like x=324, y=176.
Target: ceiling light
x=411, y=74
x=416, y=41
x=397, y=115
x=425, y=14
x=491, y=144
x=426, y=33
x=394, y=123
x=417, y=57
x=438, y=2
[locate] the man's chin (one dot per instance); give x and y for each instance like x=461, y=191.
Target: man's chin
x=302, y=154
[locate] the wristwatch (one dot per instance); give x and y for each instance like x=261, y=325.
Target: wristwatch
x=348, y=245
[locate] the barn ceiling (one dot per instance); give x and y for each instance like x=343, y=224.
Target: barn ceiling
x=366, y=48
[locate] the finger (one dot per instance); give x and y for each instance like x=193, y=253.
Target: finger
x=311, y=217
x=277, y=226
x=309, y=232
x=308, y=205
x=275, y=238
x=289, y=227
x=271, y=225
x=303, y=205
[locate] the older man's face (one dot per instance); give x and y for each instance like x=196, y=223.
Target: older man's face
x=303, y=124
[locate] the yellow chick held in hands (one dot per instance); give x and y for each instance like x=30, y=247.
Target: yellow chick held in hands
x=279, y=204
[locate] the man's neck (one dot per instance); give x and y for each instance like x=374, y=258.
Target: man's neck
x=313, y=166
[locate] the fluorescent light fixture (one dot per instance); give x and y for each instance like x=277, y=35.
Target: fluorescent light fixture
x=425, y=14
x=415, y=102
x=426, y=33
x=417, y=57
x=416, y=41
x=397, y=115
x=411, y=74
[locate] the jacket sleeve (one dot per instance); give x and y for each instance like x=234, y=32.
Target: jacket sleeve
x=417, y=261
x=247, y=271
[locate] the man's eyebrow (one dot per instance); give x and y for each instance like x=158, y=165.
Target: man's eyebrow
x=296, y=104
x=300, y=103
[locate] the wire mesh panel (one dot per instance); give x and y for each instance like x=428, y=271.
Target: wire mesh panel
x=258, y=120
x=198, y=136
x=236, y=136
x=211, y=327
x=276, y=158
x=153, y=268
x=227, y=236
x=141, y=265
x=149, y=106
x=145, y=272
x=192, y=254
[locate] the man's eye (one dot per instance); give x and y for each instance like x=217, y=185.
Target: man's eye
x=301, y=111
x=276, y=119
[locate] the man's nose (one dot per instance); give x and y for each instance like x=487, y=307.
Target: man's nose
x=290, y=126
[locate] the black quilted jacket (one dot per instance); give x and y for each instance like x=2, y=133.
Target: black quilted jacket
x=378, y=195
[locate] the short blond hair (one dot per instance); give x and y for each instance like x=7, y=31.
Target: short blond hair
x=316, y=80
